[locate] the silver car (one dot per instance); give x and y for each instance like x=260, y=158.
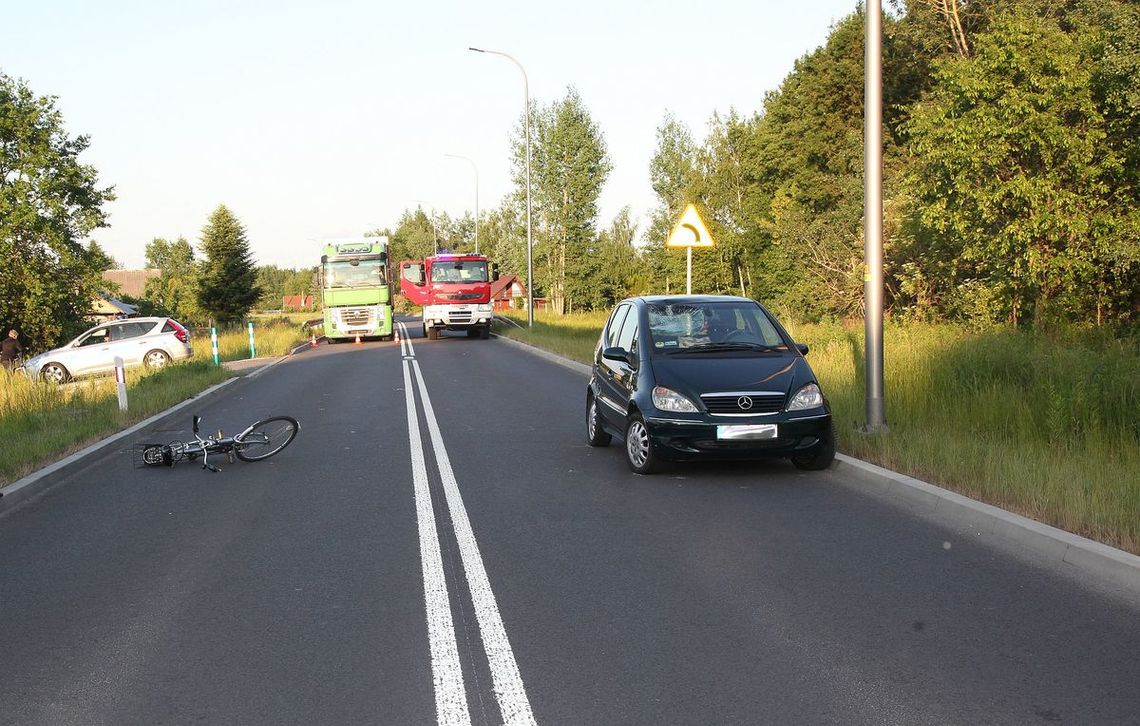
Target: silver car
x=152, y=342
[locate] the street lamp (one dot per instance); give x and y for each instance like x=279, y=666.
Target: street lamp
x=526, y=127
x=434, y=231
x=476, y=168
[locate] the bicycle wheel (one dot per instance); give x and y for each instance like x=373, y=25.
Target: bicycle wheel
x=265, y=438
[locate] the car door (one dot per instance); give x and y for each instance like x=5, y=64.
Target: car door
x=617, y=377
x=87, y=351
x=129, y=341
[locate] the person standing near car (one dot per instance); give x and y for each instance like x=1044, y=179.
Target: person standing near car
x=10, y=350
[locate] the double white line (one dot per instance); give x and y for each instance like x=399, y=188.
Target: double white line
x=447, y=673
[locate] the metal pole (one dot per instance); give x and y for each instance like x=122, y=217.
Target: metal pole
x=476, y=168
x=529, y=245
x=873, y=217
x=688, y=270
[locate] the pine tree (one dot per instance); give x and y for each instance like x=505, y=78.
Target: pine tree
x=228, y=287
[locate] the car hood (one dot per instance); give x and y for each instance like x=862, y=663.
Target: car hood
x=695, y=374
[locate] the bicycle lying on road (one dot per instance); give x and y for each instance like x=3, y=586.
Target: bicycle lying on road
x=259, y=441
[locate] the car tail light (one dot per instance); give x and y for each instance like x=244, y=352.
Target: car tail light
x=180, y=332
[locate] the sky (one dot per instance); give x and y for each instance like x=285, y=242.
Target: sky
x=315, y=121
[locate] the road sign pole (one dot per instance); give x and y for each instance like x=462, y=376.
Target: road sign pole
x=214, y=343
x=688, y=270
x=252, y=351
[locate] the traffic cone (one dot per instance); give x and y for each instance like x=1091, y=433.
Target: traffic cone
x=397, y=335
x=313, y=342
x=357, y=339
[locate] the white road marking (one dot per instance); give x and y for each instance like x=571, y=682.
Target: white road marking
x=508, y=684
x=447, y=674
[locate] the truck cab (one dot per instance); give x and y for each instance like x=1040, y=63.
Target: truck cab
x=454, y=291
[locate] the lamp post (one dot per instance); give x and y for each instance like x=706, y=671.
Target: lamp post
x=873, y=217
x=434, y=231
x=476, y=168
x=526, y=127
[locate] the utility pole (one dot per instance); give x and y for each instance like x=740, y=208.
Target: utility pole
x=873, y=217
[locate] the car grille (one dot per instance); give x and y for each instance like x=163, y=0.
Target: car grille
x=354, y=317
x=753, y=403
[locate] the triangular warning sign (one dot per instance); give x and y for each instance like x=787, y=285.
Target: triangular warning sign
x=690, y=231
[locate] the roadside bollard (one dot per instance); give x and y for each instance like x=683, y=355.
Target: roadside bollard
x=252, y=351
x=121, y=382
x=214, y=342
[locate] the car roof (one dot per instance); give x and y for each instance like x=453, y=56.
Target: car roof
x=681, y=299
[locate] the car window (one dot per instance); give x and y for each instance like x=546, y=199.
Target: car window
x=628, y=335
x=615, y=325
x=99, y=336
x=123, y=331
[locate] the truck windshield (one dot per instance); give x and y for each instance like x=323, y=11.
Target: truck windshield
x=459, y=271
x=343, y=273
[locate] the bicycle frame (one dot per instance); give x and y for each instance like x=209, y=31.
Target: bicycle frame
x=169, y=454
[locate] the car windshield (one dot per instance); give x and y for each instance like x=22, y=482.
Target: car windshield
x=711, y=327
x=459, y=271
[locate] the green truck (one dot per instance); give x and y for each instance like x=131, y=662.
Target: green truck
x=356, y=290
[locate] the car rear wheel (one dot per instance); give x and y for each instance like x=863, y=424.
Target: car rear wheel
x=156, y=359
x=54, y=373
x=820, y=456
x=639, y=451
x=595, y=435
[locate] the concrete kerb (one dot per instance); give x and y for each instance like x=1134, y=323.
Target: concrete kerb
x=1055, y=544
x=37, y=481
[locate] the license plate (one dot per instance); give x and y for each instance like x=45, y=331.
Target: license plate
x=746, y=432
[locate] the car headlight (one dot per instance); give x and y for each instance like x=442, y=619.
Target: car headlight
x=484, y=307
x=667, y=400
x=807, y=397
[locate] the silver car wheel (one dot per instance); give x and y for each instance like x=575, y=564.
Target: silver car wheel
x=592, y=420
x=53, y=373
x=637, y=444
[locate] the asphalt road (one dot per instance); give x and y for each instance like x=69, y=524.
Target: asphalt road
x=471, y=560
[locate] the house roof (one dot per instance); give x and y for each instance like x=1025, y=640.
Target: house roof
x=503, y=283
x=130, y=282
x=107, y=305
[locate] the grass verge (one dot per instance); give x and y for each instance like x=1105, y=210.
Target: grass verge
x=41, y=423
x=1041, y=425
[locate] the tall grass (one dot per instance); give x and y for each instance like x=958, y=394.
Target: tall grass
x=1044, y=425
x=272, y=336
x=41, y=422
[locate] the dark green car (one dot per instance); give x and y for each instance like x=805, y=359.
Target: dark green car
x=690, y=377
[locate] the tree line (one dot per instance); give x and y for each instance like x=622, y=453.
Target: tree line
x=1011, y=162
x=1011, y=184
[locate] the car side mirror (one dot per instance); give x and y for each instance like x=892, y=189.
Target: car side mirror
x=197, y=420
x=615, y=353
x=494, y=271
x=802, y=348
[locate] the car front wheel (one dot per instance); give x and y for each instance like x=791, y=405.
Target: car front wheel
x=820, y=456
x=639, y=450
x=54, y=373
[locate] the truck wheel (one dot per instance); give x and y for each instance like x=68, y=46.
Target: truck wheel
x=484, y=332
x=472, y=333
x=433, y=333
